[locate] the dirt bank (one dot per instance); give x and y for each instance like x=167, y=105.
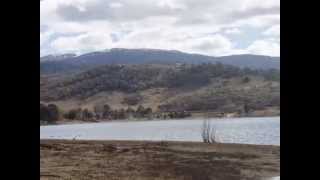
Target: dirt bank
x=141, y=160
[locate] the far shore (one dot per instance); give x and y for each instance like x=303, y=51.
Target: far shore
x=66, y=121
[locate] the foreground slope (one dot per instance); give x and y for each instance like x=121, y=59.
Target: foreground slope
x=123, y=160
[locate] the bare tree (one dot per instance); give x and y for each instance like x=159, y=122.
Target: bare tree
x=208, y=132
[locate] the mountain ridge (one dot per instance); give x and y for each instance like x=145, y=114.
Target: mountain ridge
x=72, y=62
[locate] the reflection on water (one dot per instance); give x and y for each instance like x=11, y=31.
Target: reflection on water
x=232, y=130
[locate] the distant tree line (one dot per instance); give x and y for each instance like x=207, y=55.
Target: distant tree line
x=49, y=113
x=172, y=114
x=105, y=112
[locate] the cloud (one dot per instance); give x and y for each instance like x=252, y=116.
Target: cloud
x=233, y=31
x=265, y=47
x=115, y=5
x=124, y=10
x=81, y=43
x=204, y=26
x=44, y=37
x=273, y=31
x=216, y=44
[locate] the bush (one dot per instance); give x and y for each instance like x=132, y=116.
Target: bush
x=50, y=113
x=70, y=115
x=54, y=113
x=246, y=79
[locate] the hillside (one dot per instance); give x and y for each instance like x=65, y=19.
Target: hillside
x=72, y=63
x=194, y=88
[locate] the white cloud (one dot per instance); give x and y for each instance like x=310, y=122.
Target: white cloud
x=44, y=37
x=250, y=4
x=265, y=47
x=273, y=31
x=204, y=26
x=81, y=43
x=259, y=22
x=233, y=31
x=115, y=5
x=214, y=45
x=171, y=4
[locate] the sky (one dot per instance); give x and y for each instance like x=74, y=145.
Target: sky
x=210, y=27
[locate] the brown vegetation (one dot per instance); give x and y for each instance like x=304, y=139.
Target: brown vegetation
x=216, y=88
x=51, y=113
x=124, y=160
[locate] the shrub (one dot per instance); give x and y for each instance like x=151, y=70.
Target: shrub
x=49, y=113
x=246, y=80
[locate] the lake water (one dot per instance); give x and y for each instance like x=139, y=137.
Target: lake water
x=230, y=130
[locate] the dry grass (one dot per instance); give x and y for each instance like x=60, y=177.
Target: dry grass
x=135, y=160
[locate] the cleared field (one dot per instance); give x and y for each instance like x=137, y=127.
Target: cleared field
x=142, y=160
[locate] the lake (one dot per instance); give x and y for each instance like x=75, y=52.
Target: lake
x=264, y=130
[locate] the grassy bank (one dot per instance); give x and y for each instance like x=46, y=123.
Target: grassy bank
x=141, y=160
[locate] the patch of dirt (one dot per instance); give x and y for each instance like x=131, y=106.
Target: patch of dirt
x=138, y=160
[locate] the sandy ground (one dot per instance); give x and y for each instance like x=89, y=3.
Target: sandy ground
x=141, y=160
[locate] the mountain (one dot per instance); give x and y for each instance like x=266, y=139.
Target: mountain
x=70, y=62
x=57, y=57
